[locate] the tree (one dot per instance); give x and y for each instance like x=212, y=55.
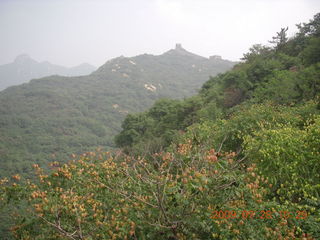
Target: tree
x=312, y=28
x=280, y=39
x=255, y=51
x=311, y=53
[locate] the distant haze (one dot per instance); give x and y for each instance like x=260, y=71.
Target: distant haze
x=70, y=32
x=24, y=68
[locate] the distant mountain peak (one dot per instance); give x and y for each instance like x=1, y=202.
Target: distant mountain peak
x=179, y=50
x=24, y=68
x=23, y=58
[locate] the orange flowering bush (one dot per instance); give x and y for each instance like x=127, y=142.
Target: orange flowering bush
x=170, y=195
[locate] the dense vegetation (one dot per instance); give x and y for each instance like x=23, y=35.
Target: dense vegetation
x=240, y=160
x=287, y=74
x=49, y=119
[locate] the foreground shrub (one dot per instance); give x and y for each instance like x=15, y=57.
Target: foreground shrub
x=189, y=193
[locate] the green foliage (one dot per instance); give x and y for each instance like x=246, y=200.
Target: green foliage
x=311, y=54
x=281, y=88
x=155, y=129
x=288, y=156
x=312, y=28
x=308, y=84
x=256, y=51
x=229, y=133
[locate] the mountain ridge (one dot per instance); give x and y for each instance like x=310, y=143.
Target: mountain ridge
x=24, y=68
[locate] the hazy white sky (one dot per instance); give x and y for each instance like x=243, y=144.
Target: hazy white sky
x=69, y=32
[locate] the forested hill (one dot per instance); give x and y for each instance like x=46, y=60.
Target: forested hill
x=176, y=74
x=50, y=118
x=286, y=74
x=24, y=68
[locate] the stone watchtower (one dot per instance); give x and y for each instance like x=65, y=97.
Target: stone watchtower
x=178, y=46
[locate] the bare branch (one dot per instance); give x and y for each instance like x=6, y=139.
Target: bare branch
x=58, y=227
x=224, y=139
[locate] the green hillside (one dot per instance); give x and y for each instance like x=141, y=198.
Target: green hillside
x=281, y=78
x=50, y=118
